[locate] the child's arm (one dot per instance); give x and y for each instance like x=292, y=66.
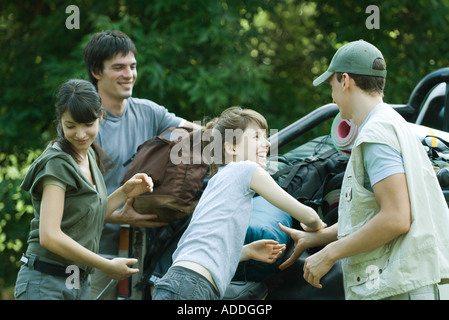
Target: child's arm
x=262, y=250
x=263, y=184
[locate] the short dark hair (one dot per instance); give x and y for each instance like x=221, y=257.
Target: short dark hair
x=370, y=84
x=103, y=46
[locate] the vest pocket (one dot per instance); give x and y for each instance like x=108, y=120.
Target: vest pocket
x=20, y=290
x=363, y=272
x=363, y=205
x=357, y=206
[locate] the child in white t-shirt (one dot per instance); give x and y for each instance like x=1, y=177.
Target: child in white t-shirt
x=210, y=249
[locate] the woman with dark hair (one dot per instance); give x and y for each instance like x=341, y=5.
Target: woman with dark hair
x=70, y=204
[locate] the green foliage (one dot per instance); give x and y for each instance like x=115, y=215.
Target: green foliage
x=15, y=214
x=411, y=37
x=196, y=58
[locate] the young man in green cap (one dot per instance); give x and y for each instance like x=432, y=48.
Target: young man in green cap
x=391, y=235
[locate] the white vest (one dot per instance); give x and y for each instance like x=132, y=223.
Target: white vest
x=415, y=259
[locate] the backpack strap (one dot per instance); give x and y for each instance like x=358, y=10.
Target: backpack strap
x=292, y=171
x=439, y=138
x=318, y=196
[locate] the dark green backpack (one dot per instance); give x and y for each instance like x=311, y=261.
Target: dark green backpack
x=312, y=174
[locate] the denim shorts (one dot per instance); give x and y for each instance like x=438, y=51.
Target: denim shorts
x=35, y=285
x=180, y=283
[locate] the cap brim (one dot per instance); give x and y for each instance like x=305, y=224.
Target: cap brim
x=323, y=78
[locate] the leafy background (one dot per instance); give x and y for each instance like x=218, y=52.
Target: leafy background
x=196, y=58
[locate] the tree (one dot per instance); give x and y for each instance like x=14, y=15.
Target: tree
x=192, y=59
x=196, y=58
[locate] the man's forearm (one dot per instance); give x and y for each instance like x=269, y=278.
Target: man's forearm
x=323, y=237
x=114, y=217
x=380, y=230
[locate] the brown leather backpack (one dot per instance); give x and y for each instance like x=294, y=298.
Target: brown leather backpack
x=173, y=160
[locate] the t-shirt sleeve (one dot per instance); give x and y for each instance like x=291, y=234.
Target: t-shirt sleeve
x=165, y=119
x=169, y=119
x=381, y=161
x=50, y=180
x=54, y=169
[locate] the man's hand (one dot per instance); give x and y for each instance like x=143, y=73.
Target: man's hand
x=304, y=240
x=316, y=266
x=127, y=215
x=300, y=244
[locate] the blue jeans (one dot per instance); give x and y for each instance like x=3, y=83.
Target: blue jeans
x=35, y=285
x=180, y=283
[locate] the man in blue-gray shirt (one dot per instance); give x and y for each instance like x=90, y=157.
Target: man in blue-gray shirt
x=110, y=59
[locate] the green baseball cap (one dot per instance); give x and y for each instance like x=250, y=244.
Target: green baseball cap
x=355, y=57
